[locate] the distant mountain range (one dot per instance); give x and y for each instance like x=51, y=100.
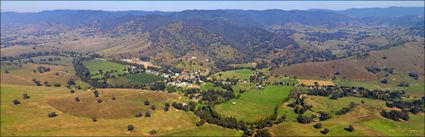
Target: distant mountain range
x=225, y=36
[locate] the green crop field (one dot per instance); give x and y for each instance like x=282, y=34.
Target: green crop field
x=254, y=105
x=100, y=64
x=242, y=74
x=135, y=79
x=207, y=130
x=74, y=118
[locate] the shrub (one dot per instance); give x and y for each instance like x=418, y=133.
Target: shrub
x=52, y=114
x=130, y=127
x=325, y=131
x=318, y=125
x=350, y=128
x=16, y=102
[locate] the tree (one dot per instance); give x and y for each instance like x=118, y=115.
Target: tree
x=16, y=102
x=324, y=116
x=325, y=131
x=304, y=119
x=139, y=114
x=153, y=107
x=318, y=125
x=147, y=114
x=350, y=128
x=147, y=103
x=94, y=119
x=130, y=127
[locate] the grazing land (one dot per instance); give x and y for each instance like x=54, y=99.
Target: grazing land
x=354, y=72
x=135, y=79
x=242, y=74
x=25, y=73
x=365, y=118
x=206, y=130
x=30, y=117
x=313, y=82
x=254, y=105
x=104, y=66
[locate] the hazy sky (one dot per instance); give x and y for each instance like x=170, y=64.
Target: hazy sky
x=35, y=6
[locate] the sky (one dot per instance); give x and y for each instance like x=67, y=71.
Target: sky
x=36, y=6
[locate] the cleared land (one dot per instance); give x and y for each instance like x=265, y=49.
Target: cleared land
x=59, y=60
x=106, y=66
x=128, y=102
x=254, y=105
x=30, y=117
x=242, y=74
x=24, y=73
x=207, y=130
x=135, y=79
x=312, y=82
x=352, y=71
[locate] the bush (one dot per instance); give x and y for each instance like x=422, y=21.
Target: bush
x=318, y=125
x=325, y=131
x=324, y=116
x=77, y=99
x=147, y=114
x=350, y=128
x=16, y=102
x=130, y=127
x=52, y=114
x=303, y=119
x=25, y=96
x=147, y=103
x=94, y=119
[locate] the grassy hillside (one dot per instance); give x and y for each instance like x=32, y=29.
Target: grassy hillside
x=30, y=117
x=24, y=73
x=352, y=71
x=365, y=119
x=254, y=105
x=206, y=130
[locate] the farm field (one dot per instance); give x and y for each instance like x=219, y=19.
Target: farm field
x=30, y=117
x=254, y=105
x=206, y=130
x=106, y=66
x=242, y=74
x=135, y=79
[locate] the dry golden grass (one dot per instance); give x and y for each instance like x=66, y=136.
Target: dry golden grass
x=30, y=117
x=311, y=82
x=127, y=103
x=24, y=75
x=404, y=59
